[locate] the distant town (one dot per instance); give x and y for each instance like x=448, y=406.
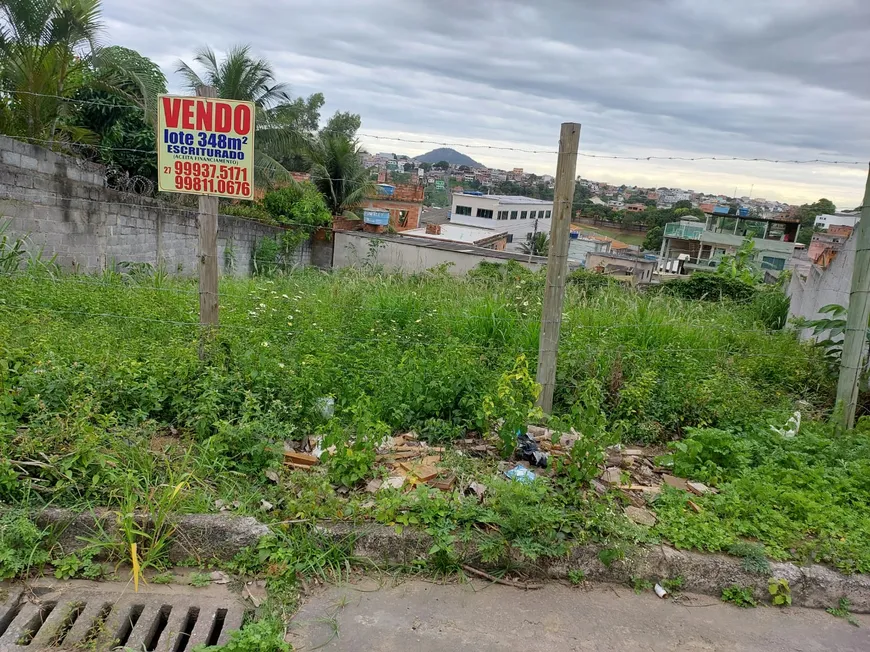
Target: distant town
x=641, y=234
x=441, y=166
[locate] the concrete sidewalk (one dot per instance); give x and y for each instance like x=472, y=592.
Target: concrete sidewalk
x=426, y=617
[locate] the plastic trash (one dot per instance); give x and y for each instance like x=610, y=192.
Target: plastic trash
x=660, y=591
x=520, y=474
x=325, y=406
x=528, y=450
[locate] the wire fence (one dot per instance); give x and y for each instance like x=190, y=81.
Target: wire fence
x=440, y=143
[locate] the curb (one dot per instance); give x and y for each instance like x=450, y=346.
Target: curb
x=202, y=537
x=815, y=586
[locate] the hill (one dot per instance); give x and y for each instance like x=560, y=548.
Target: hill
x=450, y=155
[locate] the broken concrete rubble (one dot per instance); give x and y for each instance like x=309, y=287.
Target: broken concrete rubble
x=640, y=516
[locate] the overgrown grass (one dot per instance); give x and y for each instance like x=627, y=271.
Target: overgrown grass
x=105, y=400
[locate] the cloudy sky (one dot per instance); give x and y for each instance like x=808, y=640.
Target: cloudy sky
x=786, y=79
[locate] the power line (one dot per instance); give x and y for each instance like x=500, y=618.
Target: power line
x=639, y=157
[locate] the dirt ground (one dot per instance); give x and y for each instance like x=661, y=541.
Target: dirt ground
x=425, y=617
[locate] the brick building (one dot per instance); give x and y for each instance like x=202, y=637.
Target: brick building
x=403, y=201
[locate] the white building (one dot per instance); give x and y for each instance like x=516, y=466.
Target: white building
x=506, y=213
x=838, y=219
x=460, y=234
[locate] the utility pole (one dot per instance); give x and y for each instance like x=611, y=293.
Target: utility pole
x=856, y=322
x=557, y=262
x=208, y=263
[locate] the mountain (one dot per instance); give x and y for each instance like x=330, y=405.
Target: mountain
x=450, y=155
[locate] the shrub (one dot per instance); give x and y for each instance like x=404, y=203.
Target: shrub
x=297, y=204
x=709, y=286
x=247, y=210
x=739, y=596
x=20, y=545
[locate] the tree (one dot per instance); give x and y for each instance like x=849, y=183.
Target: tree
x=808, y=213
x=408, y=167
x=45, y=46
x=344, y=123
x=241, y=76
x=536, y=244
x=442, y=165
x=426, y=166
x=110, y=105
x=653, y=240
x=338, y=172
x=683, y=203
x=296, y=204
x=238, y=77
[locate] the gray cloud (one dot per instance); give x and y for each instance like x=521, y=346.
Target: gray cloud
x=775, y=79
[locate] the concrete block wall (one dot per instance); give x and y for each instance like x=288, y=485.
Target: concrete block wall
x=63, y=207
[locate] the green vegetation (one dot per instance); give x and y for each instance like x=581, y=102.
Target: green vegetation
x=739, y=596
x=803, y=498
x=104, y=400
x=780, y=592
x=21, y=545
x=200, y=580
x=265, y=635
x=576, y=576
x=844, y=610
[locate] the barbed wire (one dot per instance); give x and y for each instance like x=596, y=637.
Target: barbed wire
x=640, y=157
x=40, y=194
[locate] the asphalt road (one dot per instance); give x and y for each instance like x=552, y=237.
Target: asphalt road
x=425, y=617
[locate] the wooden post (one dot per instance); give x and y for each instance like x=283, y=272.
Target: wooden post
x=557, y=262
x=208, y=257
x=856, y=322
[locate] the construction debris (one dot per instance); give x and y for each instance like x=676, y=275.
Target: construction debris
x=676, y=483
x=698, y=488
x=395, y=482
x=640, y=516
x=613, y=475
x=374, y=485
x=443, y=484
x=476, y=488
x=292, y=458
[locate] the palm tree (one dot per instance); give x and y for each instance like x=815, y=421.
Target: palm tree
x=338, y=172
x=44, y=47
x=537, y=244
x=238, y=77
x=241, y=76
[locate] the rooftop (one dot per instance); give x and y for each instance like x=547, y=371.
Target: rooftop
x=456, y=233
x=509, y=199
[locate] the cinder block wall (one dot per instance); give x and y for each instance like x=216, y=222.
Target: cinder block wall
x=63, y=207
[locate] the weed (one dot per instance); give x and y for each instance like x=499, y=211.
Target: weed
x=78, y=565
x=166, y=577
x=512, y=407
x=265, y=635
x=200, y=580
x=780, y=592
x=753, y=556
x=576, y=576
x=844, y=610
x=21, y=545
x=640, y=584
x=674, y=584
x=739, y=596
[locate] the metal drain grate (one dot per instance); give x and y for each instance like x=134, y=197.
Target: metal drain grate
x=150, y=622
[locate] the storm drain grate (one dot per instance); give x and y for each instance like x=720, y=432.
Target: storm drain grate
x=150, y=622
